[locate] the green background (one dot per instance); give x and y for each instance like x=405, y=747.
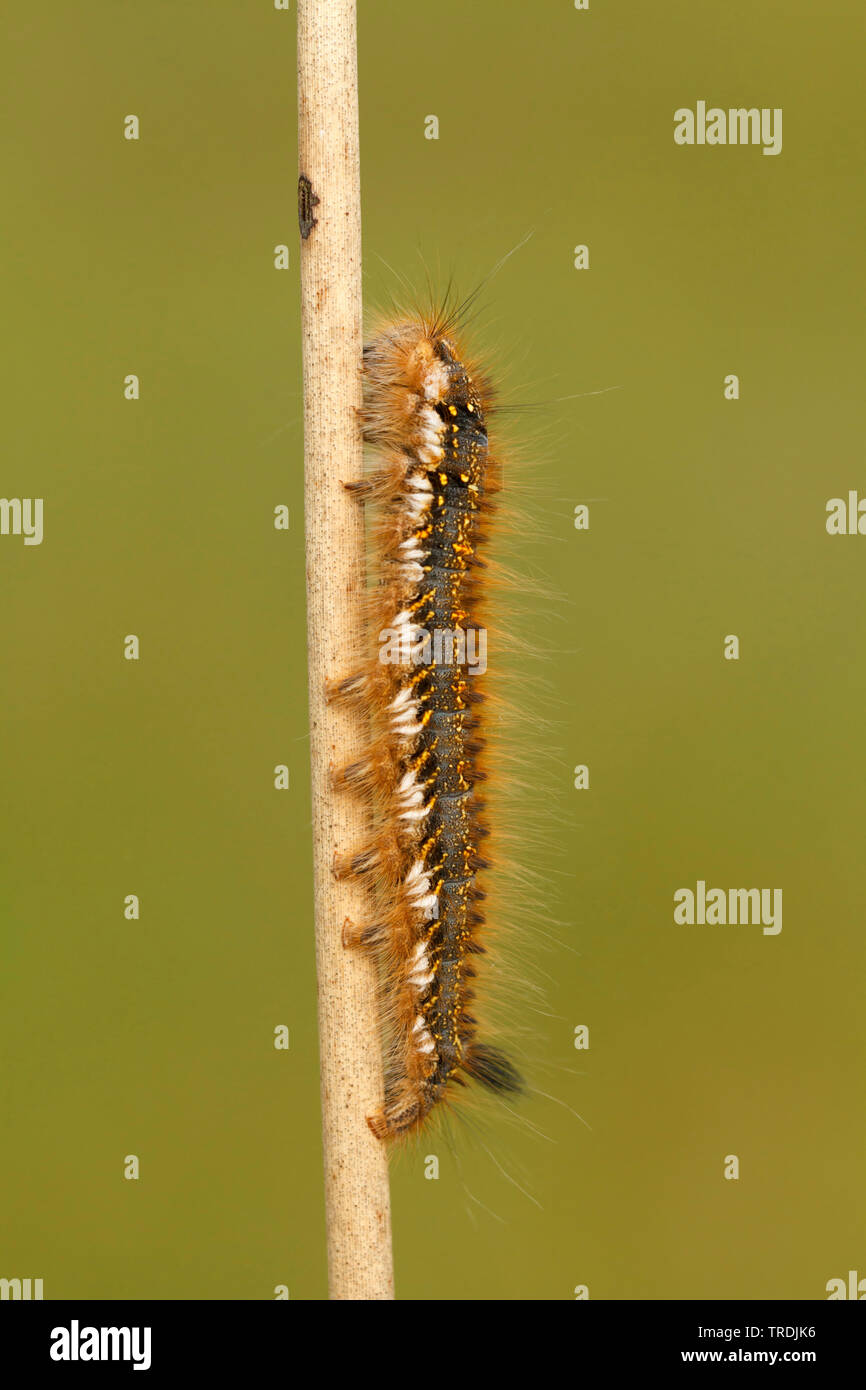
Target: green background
x=156, y=777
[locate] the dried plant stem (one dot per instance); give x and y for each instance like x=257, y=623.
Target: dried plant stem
x=356, y=1171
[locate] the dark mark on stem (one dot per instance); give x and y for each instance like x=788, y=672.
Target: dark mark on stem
x=307, y=200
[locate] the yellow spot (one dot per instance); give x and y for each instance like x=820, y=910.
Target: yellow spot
x=452, y=410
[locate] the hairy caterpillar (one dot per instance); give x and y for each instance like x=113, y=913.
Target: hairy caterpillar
x=425, y=414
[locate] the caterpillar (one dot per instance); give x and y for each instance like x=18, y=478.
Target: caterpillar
x=432, y=490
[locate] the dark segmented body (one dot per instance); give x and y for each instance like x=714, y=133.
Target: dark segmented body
x=445, y=757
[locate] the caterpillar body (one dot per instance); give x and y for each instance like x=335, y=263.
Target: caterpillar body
x=425, y=414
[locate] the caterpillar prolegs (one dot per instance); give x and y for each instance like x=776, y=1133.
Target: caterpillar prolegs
x=425, y=415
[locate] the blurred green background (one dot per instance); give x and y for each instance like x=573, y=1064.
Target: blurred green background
x=156, y=777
